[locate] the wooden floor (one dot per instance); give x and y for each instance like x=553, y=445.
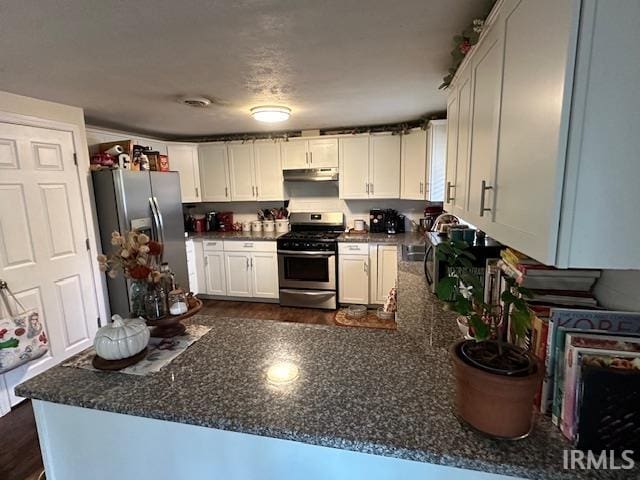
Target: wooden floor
x=20, y=457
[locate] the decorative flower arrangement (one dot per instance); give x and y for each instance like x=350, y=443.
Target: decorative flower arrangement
x=136, y=255
x=462, y=44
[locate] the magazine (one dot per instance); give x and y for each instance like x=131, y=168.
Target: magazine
x=614, y=321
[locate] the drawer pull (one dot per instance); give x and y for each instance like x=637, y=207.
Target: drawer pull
x=248, y=245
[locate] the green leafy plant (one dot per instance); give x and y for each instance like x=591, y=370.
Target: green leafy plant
x=463, y=293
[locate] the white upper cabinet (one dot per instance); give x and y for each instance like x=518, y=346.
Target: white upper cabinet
x=354, y=167
x=369, y=166
x=323, y=153
x=549, y=136
x=214, y=172
x=436, y=160
x=452, y=146
x=294, y=154
x=241, y=171
x=413, y=171
x=183, y=158
x=486, y=66
x=423, y=160
x=268, y=170
x=384, y=166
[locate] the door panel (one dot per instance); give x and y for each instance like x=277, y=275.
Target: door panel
x=264, y=268
x=43, y=256
x=269, y=181
x=354, y=167
x=414, y=165
x=237, y=266
x=384, y=166
x=464, y=132
x=214, y=173
x=184, y=160
x=354, y=279
x=452, y=148
x=215, y=273
x=487, y=86
x=387, y=271
x=294, y=154
x=323, y=153
x=241, y=174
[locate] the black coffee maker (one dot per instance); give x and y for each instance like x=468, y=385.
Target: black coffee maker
x=393, y=222
x=211, y=222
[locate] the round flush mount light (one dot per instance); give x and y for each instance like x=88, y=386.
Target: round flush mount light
x=271, y=113
x=281, y=373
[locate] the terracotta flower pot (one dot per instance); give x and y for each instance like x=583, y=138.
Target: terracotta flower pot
x=498, y=405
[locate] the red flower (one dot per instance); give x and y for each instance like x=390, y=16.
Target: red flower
x=155, y=248
x=464, y=47
x=2, y=332
x=42, y=338
x=139, y=272
x=19, y=331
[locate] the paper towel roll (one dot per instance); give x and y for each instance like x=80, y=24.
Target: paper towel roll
x=124, y=161
x=115, y=150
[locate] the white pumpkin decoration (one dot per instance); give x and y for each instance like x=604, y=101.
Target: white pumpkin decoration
x=121, y=338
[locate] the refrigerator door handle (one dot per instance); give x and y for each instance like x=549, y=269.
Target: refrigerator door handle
x=155, y=231
x=160, y=222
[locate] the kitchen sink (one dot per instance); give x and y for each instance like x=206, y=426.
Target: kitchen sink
x=413, y=253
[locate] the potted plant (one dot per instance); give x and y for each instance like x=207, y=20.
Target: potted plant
x=496, y=380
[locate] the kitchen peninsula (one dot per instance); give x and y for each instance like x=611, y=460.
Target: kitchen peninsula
x=365, y=404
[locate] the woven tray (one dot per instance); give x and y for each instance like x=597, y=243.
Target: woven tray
x=371, y=320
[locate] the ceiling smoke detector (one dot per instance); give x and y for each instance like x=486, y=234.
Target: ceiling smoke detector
x=197, y=102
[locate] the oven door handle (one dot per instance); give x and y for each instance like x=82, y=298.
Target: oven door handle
x=306, y=292
x=306, y=254
x=427, y=274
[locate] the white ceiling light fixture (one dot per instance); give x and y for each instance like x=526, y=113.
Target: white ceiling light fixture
x=271, y=113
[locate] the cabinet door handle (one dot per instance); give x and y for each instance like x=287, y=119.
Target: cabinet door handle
x=310, y=157
x=253, y=191
x=256, y=191
x=247, y=263
x=484, y=187
x=206, y=261
x=367, y=185
x=248, y=245
x=449, y=197
x=197, y=193
x=251, y=262
x=371, y=188
x=421, y=187
x=226, y=192
x=366, y=268
x=306, y=158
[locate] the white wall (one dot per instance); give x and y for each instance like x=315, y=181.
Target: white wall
x=619, y=290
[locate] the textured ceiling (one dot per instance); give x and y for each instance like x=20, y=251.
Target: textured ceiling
x=334, y=62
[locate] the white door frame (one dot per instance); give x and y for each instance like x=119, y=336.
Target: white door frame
x=86, y=190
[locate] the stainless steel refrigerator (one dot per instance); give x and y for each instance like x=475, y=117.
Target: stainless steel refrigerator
x=145, y=201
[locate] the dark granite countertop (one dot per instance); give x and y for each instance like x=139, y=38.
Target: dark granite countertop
x=396, y=239
x=246, y=236
x=373, y=391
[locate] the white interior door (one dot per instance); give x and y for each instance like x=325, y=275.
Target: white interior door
x=264, y=267
x=269, y=181
x=354, y=167
x=241, y=173
x=43, y=241
x=384, y=166
x=214, y=172
x=237, y=266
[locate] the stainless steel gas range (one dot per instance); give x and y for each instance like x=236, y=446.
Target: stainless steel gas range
x=308, y=260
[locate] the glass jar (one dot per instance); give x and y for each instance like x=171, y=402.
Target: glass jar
x=177, y=302
x=137, y=291
x=155, y=304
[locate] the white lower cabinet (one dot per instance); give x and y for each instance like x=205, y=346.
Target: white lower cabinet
x=214, y=269
x=264, y=275
x=238, y=273
x=195, y=267
x=353, y=273
x=383, y=261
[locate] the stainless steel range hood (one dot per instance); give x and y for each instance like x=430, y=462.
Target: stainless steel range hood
x=311, y=175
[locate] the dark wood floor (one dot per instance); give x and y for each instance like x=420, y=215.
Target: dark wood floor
x=20, y=457
x=267, y=311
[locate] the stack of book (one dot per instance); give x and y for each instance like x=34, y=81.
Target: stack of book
x=550, y=286
x=574, y=340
